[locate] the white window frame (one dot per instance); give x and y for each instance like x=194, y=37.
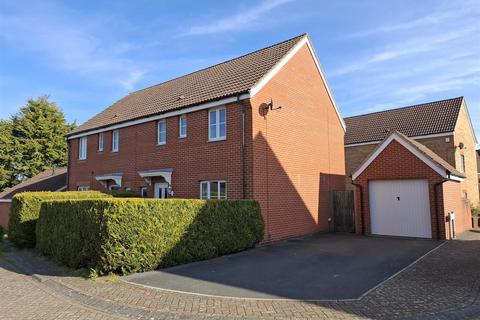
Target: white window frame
x=159, y=123
x=114, y=187
x=462, y=163
x=217, y=136
x=82, y=148
x=141, y=192
x=100, y=141
x=209, y=184
x=83, y=188
x=180, y=127
x=115, y=140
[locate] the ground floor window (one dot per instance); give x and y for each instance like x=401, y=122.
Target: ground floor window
x=83, y=188
x=213, y=189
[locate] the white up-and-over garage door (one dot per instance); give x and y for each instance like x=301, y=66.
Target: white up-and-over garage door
x=400, y=208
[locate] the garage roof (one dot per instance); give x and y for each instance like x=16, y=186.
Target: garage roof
x=432, y=159
x=48, y=180
x=417, y=120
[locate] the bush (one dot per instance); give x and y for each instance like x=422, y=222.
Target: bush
x=2, y=233
x=25, y=210
x=475, y=210
x=134, y=235
x=123, y=194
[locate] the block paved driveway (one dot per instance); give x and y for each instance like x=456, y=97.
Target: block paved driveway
x=442, y=285
x=320, y=267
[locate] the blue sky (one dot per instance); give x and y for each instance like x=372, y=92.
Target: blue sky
x=376, y=54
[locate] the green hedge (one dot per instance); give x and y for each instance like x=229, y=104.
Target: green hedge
x=25, y=210
x=134, y=235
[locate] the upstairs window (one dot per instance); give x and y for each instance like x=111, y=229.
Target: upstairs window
x=100, y=141
x=82, y=148
x=217, y=124
x=182, y=124
x=213, y=190
x=115, y=142
x=162, y=132
x=462, y=163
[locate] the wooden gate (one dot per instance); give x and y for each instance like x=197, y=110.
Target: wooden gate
x=343, y=211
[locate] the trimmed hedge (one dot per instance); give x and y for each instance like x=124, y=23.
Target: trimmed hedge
x=135, y=235
x=25, y=210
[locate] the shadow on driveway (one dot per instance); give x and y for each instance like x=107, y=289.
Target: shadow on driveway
x=319, y=267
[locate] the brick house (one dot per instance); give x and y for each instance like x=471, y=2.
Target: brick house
x=48, y=180
x=405, y=189
x=442, y=126
x=262, y=126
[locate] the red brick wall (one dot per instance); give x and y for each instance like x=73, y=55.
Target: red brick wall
x=453, y=202
x=298, y=154
x=4, y=214
x=192, y=158
x=294, y=157
x=396, y=162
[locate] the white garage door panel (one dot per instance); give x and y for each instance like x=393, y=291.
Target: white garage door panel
x=400, y=208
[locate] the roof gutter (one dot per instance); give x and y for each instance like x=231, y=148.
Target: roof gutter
x=193, y=108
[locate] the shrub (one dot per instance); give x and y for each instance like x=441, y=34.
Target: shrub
x=475, y=210
x=123, y=194
x=134, y=235
x=25, y=210
x=2, y=233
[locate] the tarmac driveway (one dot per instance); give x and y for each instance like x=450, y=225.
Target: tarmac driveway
x=320, y=267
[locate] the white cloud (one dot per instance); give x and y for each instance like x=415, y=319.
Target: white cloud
x=238, y=21
x=416, y=45
x=58, y=40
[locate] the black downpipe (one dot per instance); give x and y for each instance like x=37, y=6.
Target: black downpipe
x=362, y=220
x=242, y=147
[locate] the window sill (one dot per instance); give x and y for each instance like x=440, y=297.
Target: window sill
x=161, y=144
x=215, y=140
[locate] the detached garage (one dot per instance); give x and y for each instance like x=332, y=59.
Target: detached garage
x=405, y=189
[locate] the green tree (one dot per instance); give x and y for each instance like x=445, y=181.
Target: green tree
x=7, y=154
x=37, y=141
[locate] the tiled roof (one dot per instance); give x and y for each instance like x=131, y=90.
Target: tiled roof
x=226, y=79
x=417, y=120
x=48, y=180
x=419, y=147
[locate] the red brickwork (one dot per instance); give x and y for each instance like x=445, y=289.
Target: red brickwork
x=293, y=157
x=4, y=214
x=396, y=162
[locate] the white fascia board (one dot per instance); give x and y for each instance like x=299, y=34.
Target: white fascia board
x=410, y=148
x=435, y=135
x=61, y=189
x=456, y=178
x=280, y=64
x=198, y=107
x=5, y=200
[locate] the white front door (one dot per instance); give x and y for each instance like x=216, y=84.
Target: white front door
x=400, y=208
x=161, y=190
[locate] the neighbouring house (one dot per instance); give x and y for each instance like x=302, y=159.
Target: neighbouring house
x=442, y=126
x=262, y=126
x=478, y=168
x=406, y=189
x=54, y=179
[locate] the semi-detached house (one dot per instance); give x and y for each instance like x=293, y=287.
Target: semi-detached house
x=262, y=126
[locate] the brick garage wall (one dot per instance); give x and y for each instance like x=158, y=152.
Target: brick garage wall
x=354, y=156
x=192, y=159
x=4, y=214
x=396, y=162
x=298, y=154
x=453, y=202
